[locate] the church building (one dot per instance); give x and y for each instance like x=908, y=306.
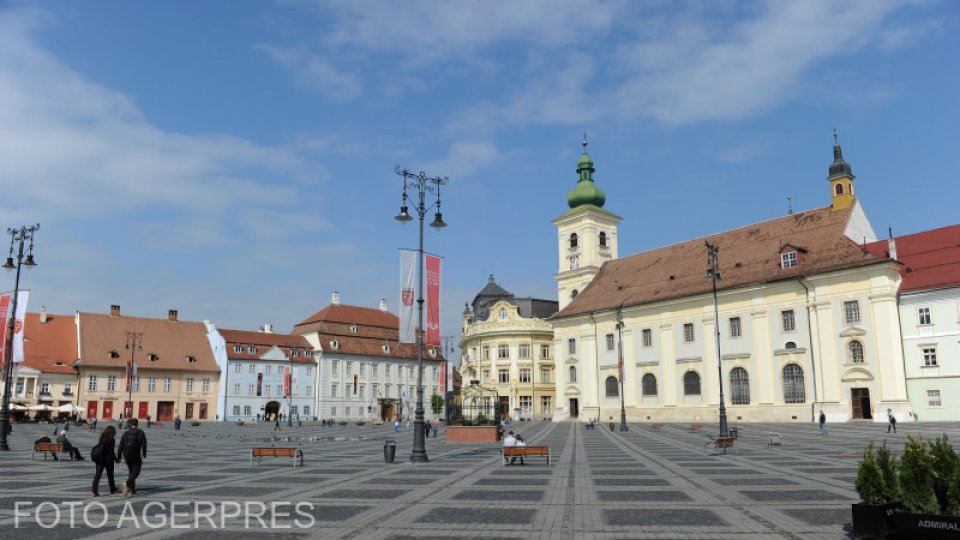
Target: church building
x=807, y=319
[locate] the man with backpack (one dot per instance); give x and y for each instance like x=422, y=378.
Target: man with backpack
x=133, y=448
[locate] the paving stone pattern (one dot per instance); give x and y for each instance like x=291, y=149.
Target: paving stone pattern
x=642, y=483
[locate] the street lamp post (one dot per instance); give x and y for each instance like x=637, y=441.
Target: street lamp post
x=713, y=272
x=20, y=237
x=421, y=184
x=134, y=343
x=623, y=410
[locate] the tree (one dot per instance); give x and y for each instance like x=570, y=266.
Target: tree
x=436, y=403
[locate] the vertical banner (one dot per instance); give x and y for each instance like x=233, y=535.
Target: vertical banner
x=408, y=263
x=18, y=326
x=129, y=375
x=4, y=315
x=433, y=301
x=620, y=359
x=259, y=384
x=442, y=383
x=286, y=382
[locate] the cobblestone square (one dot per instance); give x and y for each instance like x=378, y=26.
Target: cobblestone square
x=643, y=483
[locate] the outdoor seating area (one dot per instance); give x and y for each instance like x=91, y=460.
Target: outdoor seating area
x=273, y=451
x=521, y=451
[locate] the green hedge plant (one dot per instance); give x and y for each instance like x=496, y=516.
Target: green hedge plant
x=869, y=483
x=916, y=477
x=889, y=470
x=945, y=465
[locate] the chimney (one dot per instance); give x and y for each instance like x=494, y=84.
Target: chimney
x=172, y=315
x=892, y=244
x=267, y=328
x=115, y=310
x=335, y=299
x=43, y=314
x=383, y=304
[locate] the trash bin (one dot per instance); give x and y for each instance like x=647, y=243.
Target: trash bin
x=389, y=450
x=733, y=433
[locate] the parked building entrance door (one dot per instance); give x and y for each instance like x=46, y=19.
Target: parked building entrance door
x=574, y=408
x=164, y=411
x=860, y=399
x=503, y=409
x=386, y=411
x=91, y=409
x=189, y=414
x=271, y=410
x=107, y=410
x=144, y=409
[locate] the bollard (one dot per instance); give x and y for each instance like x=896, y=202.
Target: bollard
x=389, y=450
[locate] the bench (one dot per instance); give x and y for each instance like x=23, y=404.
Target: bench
x=45, y=448
x=775, y=439
x=656, y=425
x=273, y=451
x=520, y=451
x=695, y=426
x=720, y=443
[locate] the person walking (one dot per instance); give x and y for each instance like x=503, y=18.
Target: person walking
x=133, y=449
x=891, y=421
x=823, y=423
x=276, y=423
x=176, y=423
x=396, y=424
x=104, y=455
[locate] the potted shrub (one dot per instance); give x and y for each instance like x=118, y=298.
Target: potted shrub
x=919, y=475
x=876, y=484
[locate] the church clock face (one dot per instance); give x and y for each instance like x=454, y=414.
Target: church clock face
x=574, y=262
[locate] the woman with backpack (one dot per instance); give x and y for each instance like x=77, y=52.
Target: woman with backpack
x=104, y=455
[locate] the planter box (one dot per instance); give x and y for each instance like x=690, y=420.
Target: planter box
x=874, y=520
x=927, y=526
x=473, y=434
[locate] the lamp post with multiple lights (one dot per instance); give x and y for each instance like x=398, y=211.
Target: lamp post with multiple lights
x=420, y=184
x=713, y=272
x=20, y=236
x=134, y=343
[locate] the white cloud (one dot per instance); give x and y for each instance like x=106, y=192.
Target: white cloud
x=463, y=159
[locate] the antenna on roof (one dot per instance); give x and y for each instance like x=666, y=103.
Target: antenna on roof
x=789, y=205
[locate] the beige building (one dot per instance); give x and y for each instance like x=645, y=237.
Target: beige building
x=47, y=376
x=176, y=371
x=807, y=318
x=508, y=347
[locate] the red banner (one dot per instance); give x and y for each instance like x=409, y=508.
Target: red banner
x=432, y=267
x=286, y=382
x=4, y=313
x=442, y=383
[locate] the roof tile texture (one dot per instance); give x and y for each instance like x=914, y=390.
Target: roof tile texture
x=931, y=259
x=47, y=344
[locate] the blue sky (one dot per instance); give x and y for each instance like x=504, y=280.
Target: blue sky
x=234, y=160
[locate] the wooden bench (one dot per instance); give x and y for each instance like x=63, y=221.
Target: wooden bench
x=656, y=425
x=45, y=448
x=775, y=439
x=695, y=426
x=273, y=451
x=520, y=451
x=720, y=443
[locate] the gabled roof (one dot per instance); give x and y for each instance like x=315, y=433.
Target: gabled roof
x=931, y=259
x=171, y=341
x=50, y=347
x=748, y=255
x=338, y=313
x=264, y=341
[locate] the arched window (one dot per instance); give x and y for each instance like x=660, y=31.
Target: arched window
x=573, y=374
x=793, y=384
x=691, y=383
x=649, y=385
x=503, y=314
x=856, y=352
x=839, y=188
x=739, y=386
x=603, y=239
x=613, y=388
x=573, y=239
x=790, y=345
x=574, y=293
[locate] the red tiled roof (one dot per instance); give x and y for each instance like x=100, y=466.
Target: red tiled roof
x=264, y=341
x=748, y=255
x=171, y=341
x=50, y=347
x=931, y=259
x=361, y=316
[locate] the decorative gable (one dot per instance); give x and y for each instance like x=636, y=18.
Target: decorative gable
x=274, y=353
x=853, y=331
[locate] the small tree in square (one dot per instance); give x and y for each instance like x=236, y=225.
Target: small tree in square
x=436, y=403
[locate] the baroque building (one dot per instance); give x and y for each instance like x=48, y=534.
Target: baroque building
x=508, y=347
x=807, y=317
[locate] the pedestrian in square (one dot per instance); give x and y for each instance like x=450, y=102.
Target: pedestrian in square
x=823, y=422
x=891, y=421
x=133, y=450
x=104, y=456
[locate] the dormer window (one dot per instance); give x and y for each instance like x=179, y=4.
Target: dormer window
x=334, y=344
x=296, y=352
x=503, y=314
x=433, y=353
x=191, y=359
x=573, y=240
x=788, y=259
x=114, y=354
x=386, y=349
x=153, y=357
x=308, y=354
x=603, y=239
x=353, y=328
x=252, y=350
x=237, y=349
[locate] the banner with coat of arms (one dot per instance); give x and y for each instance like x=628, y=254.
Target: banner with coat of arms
x=408, y=264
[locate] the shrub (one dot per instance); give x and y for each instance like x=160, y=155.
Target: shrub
x=916, y=477
x=869, y=481
x=945, y=464
x=953, y=494
x=889, y=470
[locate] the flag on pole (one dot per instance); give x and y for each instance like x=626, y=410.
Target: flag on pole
x=131, y=374
x=433, y=301
x=18, y=326
x=4, y=316
x=286, y=382
x=408, y=263
x=620, y=359
x=442, y=383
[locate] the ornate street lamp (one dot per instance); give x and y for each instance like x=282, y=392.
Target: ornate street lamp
x=713, y=272
x=420, y=184
x=134, y=343
x=623, y=410
x=20, y=237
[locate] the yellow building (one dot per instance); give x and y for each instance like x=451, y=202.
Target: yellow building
x=508, y=347
x=807, y=318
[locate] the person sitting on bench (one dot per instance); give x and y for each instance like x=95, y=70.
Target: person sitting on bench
x=520, y=442
x=67, y=447
x=46, y=439
x=509, y=442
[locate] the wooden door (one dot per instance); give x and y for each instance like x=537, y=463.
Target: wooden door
x=203, y=411
x=574, y=408
x=91, y=409
x=164, y=411
x=144, y=409
x=860, y=401
x=189, y=413
x=127, y=409
x=108, y=410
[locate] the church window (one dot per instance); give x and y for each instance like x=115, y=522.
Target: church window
x=839, y=188
x=647, y=337
x=688, y=334
x=573, y=374
x=611, y=342
x=789, y=322
x=574, y=294
x=735, y=330
x=793, y=384
x=573, y=240
x=503, y=314
x=852, y=311
x=924, y=315
x=611, y=387
x=603, y=239
x=572, y=346
x=788, y=259
x=691, y=383
x=649, y=385
x=739, y=386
